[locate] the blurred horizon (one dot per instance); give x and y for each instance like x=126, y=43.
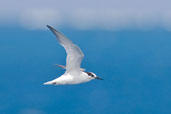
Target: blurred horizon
x=127, y=43
x=106, y=15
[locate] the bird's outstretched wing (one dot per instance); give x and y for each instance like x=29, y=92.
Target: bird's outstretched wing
x=74, y=53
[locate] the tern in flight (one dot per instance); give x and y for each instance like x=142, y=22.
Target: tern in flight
x=73, y=74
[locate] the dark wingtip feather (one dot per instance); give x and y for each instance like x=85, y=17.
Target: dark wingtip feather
x=47, y=25
x=51, y=28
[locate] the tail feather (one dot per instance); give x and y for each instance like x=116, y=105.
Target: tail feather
x=61, y=66
x=64, y=67
x=49, y=83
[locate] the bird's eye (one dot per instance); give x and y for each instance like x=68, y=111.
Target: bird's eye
x=90, y=74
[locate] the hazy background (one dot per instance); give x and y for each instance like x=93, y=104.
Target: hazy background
x=128, y=43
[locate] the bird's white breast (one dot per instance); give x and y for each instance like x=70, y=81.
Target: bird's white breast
x=72, y=78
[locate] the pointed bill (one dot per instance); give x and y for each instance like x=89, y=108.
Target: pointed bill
x=98, y=78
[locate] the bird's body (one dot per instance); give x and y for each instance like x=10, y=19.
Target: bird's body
x=71, y=78
x=73, y=74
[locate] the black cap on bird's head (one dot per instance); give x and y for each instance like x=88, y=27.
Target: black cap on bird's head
x=93, y=75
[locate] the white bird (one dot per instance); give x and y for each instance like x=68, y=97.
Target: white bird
x=73, y=74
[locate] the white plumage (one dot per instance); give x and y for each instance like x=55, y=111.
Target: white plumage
x=73, y=74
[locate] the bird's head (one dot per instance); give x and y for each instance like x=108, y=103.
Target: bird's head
x=94, y=76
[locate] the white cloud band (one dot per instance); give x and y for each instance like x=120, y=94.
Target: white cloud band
x=123, y=15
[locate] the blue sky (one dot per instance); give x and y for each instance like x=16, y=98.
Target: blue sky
x=126, y=43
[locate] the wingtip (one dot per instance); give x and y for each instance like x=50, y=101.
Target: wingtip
x=48, y=26
x=51, y=28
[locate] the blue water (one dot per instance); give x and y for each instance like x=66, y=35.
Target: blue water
x=135, y=65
